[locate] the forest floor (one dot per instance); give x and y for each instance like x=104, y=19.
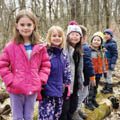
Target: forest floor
x=115, y=114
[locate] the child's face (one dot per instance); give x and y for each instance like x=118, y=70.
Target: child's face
x=25, y=26
x=56, y=39
x=96, y=42
x=74, y=38
x=107, y=36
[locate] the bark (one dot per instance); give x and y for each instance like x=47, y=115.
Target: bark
x=107, y=12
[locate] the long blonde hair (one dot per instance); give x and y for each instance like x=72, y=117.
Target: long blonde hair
x=35, y=37
x=60, y=31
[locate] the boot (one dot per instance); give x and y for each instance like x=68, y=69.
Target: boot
x=82, y=114
x=104, y=88
x=89, y=105
x=109, y=89
x=76, y=116
x=95, y=103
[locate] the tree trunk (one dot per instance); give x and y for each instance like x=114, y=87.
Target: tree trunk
x=85, y=12
x=78, y=12
x=97, y=14
x=107, y=13
x=73, y=9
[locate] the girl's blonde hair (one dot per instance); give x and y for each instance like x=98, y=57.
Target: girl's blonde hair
x=35, y=37
x=60, y=31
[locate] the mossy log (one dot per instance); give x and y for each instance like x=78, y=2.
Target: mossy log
x=99, y=113
x=104, y=109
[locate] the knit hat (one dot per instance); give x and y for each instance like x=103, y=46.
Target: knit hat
x=109, y=31
x=74, y=27
x=100, y=34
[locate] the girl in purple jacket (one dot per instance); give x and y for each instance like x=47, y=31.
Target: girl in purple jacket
x=24, y=66
x=50, y=107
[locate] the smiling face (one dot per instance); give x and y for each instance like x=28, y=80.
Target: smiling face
x=107, y=36
x=25, y=26
x=96, y=42
x=56, y=39
x=74, y=38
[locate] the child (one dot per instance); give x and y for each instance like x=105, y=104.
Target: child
x=74, y=50
x=112, y=56
x=88, y=72
x=50, y=107
x=97, y=59
x=24, y=66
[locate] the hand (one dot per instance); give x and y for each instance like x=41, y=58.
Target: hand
x=43, y=91
x=92, y=81
x=66, y=93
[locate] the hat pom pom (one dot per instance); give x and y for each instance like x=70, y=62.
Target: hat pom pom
x=73, y=22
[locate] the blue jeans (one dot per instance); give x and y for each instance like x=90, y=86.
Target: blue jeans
x=108, y=79
x=22, y=106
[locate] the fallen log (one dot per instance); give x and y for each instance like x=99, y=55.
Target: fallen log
x=101, y=112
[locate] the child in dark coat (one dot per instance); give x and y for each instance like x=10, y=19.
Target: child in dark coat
x=97, y=55
x=112, y=56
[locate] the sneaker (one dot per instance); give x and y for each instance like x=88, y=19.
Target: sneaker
x=95, y=103
x=109, y=89
x=89, y=106
x=104, y=88
x=82, y=114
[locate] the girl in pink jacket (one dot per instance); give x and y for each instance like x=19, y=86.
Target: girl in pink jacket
x=24, y=66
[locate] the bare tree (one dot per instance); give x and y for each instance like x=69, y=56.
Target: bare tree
x=73, y=9
x=22, y=4
x=107, y=12
x=85, y=12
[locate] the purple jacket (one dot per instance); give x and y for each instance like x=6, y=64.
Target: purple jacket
x=60, y=73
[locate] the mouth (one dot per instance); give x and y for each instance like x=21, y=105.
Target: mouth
x=26, y=31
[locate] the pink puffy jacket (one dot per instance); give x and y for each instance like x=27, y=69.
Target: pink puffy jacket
x=20, y=74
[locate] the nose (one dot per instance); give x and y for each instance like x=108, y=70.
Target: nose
x=25, y=27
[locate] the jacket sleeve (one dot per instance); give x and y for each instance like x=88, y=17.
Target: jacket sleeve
x=5, y=68
x=67, y=72
x=88, y=66
x=45, y=67
x=114, y=53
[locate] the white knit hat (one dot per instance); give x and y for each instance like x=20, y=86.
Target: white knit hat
x=74, y=28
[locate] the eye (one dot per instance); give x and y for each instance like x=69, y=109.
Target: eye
x=29, y=24
x=54, y=35
x=59, y=36
x=22, y=24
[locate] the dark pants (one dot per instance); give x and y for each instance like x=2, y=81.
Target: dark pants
x=93, y=90
x=69, y=107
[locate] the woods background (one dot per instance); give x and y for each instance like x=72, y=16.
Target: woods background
x=94, y=14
